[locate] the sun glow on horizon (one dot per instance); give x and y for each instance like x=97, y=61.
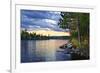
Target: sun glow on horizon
x=50, y=33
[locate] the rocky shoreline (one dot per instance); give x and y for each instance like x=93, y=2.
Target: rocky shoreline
x=76, y=53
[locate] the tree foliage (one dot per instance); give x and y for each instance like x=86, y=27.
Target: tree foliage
x=78, y=23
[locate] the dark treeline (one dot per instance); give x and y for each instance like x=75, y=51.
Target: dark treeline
x=33, y=36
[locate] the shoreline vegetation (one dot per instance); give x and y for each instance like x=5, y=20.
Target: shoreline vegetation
x=78, y=23
x=33, y=36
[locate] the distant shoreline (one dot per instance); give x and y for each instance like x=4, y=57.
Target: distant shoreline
x=49, y=39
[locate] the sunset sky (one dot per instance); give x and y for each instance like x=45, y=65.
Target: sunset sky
x=34, y=20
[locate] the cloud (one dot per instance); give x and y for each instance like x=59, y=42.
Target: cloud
x=41, y=14
x=35, y=20
x=50, y=21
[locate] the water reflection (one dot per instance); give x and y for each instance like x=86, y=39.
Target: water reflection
x=43, y=50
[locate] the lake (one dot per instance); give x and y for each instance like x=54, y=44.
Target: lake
x=43, y=50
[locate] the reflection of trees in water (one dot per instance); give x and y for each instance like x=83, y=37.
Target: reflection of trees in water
x=24, y=51
x=41, y=50
x=29, y=52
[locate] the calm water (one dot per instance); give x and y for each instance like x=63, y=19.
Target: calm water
x=43, y=50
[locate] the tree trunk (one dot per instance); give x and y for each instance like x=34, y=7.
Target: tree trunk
x=78, y=29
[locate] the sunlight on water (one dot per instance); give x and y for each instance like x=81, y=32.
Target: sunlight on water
x=42, y=50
